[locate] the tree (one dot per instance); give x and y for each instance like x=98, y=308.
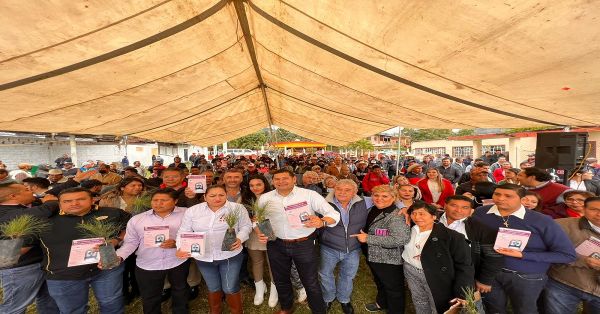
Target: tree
x=250, y=141
x=363, y=144
x=418, y=135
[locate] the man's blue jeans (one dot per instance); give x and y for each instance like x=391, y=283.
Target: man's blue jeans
x=222, y=275
x=523, y=290
x=562, y=299
x=21, y=286
x=71, y=296
x=348, y=262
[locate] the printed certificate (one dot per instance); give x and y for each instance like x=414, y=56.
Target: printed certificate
x=512, y=239
x=589, y=247
x=83, y=252
x=193, y=243
x=197, y=183
x=154, y=236
x=297, y=214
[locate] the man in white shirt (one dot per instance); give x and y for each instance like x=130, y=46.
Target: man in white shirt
x=292, y=212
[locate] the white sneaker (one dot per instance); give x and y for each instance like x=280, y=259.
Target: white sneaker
x=273, y=297
x=301, y=295
x=261, y=289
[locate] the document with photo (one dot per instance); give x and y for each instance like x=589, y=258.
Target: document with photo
x=512, y=239
x=154, y=236
x=83, y=252
x=193, y=243
x=197, y=183
x=297, y=214
x=589, y=247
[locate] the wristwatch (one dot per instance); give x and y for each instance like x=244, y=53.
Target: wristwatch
x=324, y=222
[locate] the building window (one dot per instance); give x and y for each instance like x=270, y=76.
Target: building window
x=430, y=151
x=462, y=151
x=493, y=148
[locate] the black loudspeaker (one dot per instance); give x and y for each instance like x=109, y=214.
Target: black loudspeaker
x=560, y=150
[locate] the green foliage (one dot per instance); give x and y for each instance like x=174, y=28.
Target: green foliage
x=364, y=144
x=469, y=307
x=540, y=128
x=23, y=226
x=282, y=135
x=260, y=212
x=260, y=138
x=419, y=135
x=232, y=217
x=250, y=141
x=99, y=229
x=141, y=203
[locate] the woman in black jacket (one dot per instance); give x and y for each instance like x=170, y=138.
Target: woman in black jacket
x=437, y=262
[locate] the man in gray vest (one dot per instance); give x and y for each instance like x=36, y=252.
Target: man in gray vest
x=339, y=248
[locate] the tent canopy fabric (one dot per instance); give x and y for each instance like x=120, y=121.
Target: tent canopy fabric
x=205, y=72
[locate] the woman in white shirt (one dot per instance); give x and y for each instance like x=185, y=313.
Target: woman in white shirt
x=220, y=269
x=437, y=262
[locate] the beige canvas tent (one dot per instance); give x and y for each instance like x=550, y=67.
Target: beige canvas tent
x=205, y=72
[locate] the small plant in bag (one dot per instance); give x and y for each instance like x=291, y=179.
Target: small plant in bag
x=105, y=230
x=262, y=222
x=13, y=232
x=231, y=219
x=141, y=203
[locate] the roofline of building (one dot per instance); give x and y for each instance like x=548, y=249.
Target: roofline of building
x=519, y=134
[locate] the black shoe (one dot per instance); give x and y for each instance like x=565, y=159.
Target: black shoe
x=194, y=292
x=347, y=308
x=165, y=295
x=373, y=307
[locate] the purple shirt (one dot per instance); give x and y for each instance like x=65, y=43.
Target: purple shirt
x=152, y=258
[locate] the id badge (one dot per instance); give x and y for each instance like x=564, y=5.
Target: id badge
x=382, y=232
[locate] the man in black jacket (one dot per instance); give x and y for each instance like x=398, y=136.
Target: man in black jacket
x=24, y=282
x=487, y=262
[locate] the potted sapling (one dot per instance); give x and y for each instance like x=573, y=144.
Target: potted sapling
x=13, y=234
x=262, y=222
x=105, y=230
x=141, y=203
x=231, y=219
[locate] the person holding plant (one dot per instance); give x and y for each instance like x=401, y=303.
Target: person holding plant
x=226, y=226
x=437, y=260
x=70, y=285
x=23, y=282
x=126, y=196
x=156, y=262
x=292, y=211
x=257, y=250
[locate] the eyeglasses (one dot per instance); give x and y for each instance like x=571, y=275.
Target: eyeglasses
x=577, y=200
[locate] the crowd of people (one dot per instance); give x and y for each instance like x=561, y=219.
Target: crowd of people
x=430, y=225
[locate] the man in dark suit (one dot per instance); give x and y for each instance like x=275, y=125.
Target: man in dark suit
x=487, y=262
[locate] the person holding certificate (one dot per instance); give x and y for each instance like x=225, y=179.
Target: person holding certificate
x=570, y=284
x=220, y=268
x=153, y=233
x=71, y=268
x=292, y=212
x=525, y=265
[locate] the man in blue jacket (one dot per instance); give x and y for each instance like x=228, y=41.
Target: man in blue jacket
x=337, y=247
x=524, y=274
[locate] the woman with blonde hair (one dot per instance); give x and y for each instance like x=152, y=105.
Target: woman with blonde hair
x=434, y=188
x=384, y=236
